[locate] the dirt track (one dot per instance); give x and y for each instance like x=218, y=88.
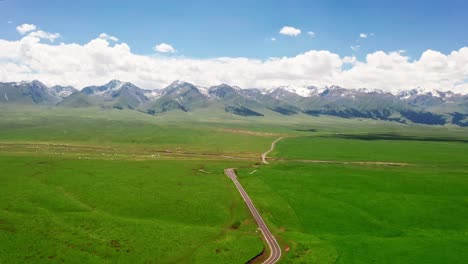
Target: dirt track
x=264, y=155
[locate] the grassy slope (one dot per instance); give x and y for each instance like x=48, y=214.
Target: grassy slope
x=335, y=213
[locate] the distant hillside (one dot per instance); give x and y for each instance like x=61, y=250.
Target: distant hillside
x=33, y=92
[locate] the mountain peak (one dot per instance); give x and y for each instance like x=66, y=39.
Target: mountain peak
x=115, y=84
x=178, y=83
x=178, y=87
x=223, y=90
x=108, y=88
x=222, y=86
x=33, y=83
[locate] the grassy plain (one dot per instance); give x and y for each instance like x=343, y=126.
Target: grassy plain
x=393, y=148
x=339, y=212
x=119, y=187
x=100, y=211
x=111, y=186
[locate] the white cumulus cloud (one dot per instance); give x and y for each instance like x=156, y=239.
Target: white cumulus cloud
x=311, y=34
x=164, y=48
x=290, y=31
x=106, y=36
x=25, y=28
x=363, y=35
x=31, y=30
x=100, y=60
x=44, y=35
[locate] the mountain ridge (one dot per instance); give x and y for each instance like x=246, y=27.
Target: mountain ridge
x=407, y=106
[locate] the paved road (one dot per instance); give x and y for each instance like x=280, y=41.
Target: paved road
x=275, y=250
x=264, y=155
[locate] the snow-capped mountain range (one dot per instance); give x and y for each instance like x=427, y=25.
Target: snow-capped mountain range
x=415, y=105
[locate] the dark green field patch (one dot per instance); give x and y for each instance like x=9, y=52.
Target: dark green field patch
x=382, y=150
x=396, y=137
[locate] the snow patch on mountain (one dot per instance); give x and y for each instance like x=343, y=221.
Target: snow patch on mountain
x=303, y=91
x=203, y=90
x=115, y=85
x=417, y=92
x=65, y=93
x=153, y=94
x=62, y=91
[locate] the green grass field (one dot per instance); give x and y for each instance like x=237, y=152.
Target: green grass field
x=110, y=186
x=418, y=149
x=346, y=213
x=98, y=211
x=117, y=187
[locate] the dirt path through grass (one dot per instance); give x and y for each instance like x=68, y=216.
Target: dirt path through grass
x=264, y=155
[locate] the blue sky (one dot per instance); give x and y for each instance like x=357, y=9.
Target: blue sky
x=207, y=29
x=376, y=44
